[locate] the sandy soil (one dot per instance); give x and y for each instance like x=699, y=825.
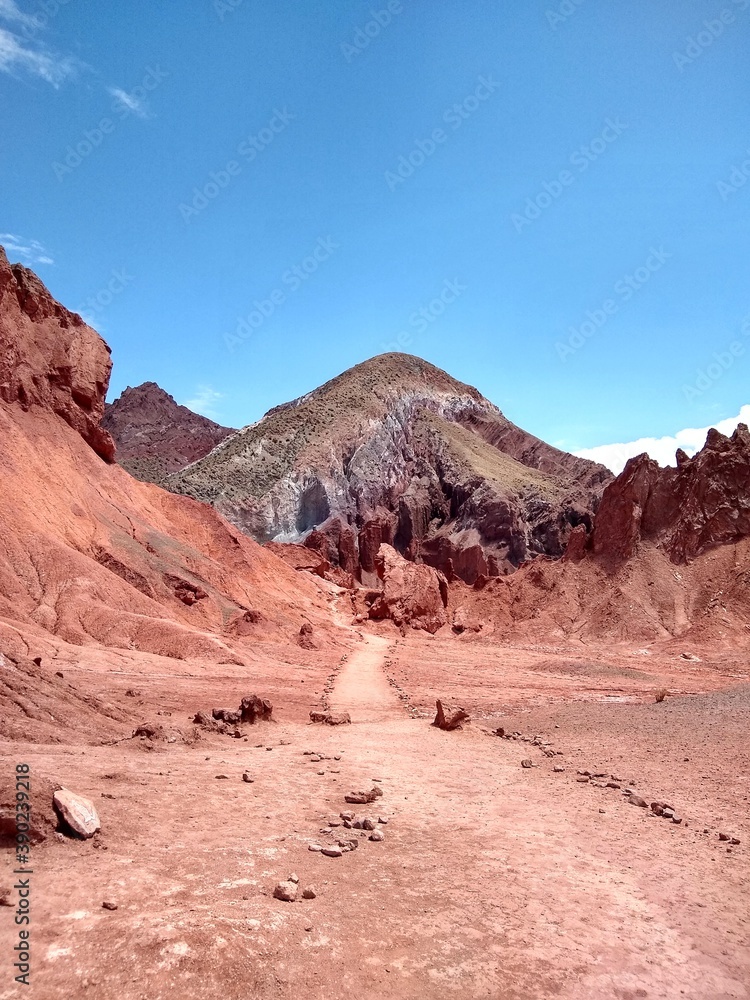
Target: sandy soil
x=493, y=880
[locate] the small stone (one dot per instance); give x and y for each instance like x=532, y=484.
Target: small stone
x=286, y=891
x=724, y=836
x=222, y=777
x=582, y=780
x=527, y=763
x=325, y=829
x=377, y=835
x=612, y=784
x=332, y=852
x=309, y=893
x=314, y=758
x=5, y=899
x=347, y=815
x=314, y=847
x=308, y=927
x=558, y=769
x=658, y=808
x=383, y=819
x=677, y=820
x=293, y=878
x=109, y=905
x=246, y=776
x=636, y=800
x=368, y=823
x=602, y=811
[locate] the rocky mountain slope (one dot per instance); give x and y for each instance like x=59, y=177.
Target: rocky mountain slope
x=154, y=435
x=668, y=560
x=396, y=451
x=91, y=557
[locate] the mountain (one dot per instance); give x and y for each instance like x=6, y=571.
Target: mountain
x=90, y=557
x=394, y=450
x=154, y=435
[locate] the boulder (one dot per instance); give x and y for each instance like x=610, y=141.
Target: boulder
x=43, y=820
x=413, y=594
x=450, y=721
x=253, y=709
x=77, y=813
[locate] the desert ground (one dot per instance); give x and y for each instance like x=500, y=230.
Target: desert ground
x=493, y=879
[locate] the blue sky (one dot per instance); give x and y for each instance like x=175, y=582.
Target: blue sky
x=550, y=200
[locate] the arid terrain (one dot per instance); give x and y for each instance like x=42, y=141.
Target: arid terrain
x=584, y=835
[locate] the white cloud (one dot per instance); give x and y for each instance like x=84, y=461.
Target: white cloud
x=9, y=12
x=130, y=102
x=691, y=440
x=30, y=251
x=204, y=400
x=17, y=56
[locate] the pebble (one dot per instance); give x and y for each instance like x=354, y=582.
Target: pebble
x=368, y=823
x=109, y=905
x=309, y=893
x=377, y=835
x=246, y=776
x=527, y=763
x=308, y=927
x=222, y=777
x=382, y=819
x=558, y=769
x=332, y=852
x=602, y=811
x=636, y=800
x=582, y=780
x=314, y=847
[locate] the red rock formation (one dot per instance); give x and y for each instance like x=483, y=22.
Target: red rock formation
x=685, y=511
x=88, y=554
x=49, y=358
x=155, y=435
x=412, y=595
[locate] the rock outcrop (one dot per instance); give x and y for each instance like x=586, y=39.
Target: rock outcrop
x=702, y=503
x=155, y=435
x=50, y=359
x=413, y=595
x=396, y=452
x=88, y=555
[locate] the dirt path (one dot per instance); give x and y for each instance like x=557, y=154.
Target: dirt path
x=362, y=689
x=493, y=880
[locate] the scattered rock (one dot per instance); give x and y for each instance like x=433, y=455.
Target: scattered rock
x=362, y=798
x=309, y=893
x=527, y=763
x=377, y=835
x=451, y=721
x=5, y=899
x=246, y=776
x=582, y=780
x=286, y=891
x=368, y=823
x=77, y=812
x=332, y=852
x=558, y=769
x=222, y=777
x=636, y=800
x=315, y=847
x=109, y=905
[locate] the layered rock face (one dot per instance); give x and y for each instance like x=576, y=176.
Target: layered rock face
x=155, y=435
x=685, y=511
x=396, y=452
x=50, y=359
x=88, y=555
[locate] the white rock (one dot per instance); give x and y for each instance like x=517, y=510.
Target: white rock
x=77, y=812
